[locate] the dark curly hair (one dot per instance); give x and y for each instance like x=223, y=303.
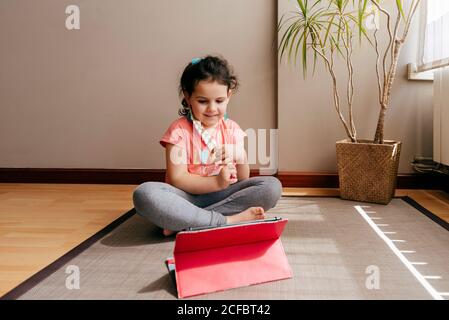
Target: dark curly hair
x=209, y=68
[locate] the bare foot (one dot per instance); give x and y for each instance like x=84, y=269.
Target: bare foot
x=167, y=232
x=252, y=213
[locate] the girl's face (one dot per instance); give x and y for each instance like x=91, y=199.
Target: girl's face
x=209, y=101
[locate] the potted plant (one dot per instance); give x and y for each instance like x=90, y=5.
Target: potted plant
x=329, y=30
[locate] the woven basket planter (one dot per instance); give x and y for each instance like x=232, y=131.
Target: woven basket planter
x=367, y=171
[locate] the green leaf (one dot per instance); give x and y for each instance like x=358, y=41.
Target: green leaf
x=293, y=42
x=302, y=6
x=399, y=5
x=297, y=46
x=304, y=53
x=285, y=38
x=361, y=16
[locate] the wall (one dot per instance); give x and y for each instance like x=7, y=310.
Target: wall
x=101, y=96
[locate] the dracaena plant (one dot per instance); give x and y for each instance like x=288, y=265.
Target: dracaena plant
x=331, y=28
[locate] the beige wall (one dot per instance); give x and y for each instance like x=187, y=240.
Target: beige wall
x=309, y=125
x=101, y=97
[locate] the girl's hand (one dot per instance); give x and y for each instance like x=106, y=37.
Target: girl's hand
x=228, y=153
x=227, y=175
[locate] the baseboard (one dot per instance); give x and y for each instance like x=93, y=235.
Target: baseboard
x=296, y=179
x=330, y=180
x=69, y=175
x=85, y=176
x=138, y=176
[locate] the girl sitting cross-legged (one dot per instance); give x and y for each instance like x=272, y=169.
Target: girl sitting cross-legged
x=207, y=180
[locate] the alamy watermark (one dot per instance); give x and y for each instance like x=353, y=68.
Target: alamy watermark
x=372, y=281
x=72, y=22
x=73, y=279
x=260, y=149
x=372, y=20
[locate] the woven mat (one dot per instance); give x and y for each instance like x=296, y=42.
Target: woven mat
x=334, y=250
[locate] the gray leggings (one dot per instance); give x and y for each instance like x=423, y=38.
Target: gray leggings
x=171, y=208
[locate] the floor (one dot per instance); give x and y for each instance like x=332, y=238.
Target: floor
x=41, y=222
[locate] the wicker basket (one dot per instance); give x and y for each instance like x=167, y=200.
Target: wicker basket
x=367, y=171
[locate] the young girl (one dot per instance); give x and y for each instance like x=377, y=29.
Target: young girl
x=207, y=179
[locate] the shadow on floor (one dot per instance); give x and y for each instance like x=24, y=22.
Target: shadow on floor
x=135, y=231
x=163, y=283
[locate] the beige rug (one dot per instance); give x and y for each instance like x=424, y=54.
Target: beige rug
x=337, y=250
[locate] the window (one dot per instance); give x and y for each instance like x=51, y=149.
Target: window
x=435, y=49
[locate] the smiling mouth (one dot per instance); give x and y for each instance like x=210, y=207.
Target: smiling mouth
x=211, y=115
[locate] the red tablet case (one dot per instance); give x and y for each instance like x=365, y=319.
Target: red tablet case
x=232, y=256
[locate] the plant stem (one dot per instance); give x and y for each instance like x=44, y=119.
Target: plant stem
x=394, y=49
x=350, y=85
x=379, y=85
x=329, y=65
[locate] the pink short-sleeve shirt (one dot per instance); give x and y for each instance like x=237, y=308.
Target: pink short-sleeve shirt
x=200, y=162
